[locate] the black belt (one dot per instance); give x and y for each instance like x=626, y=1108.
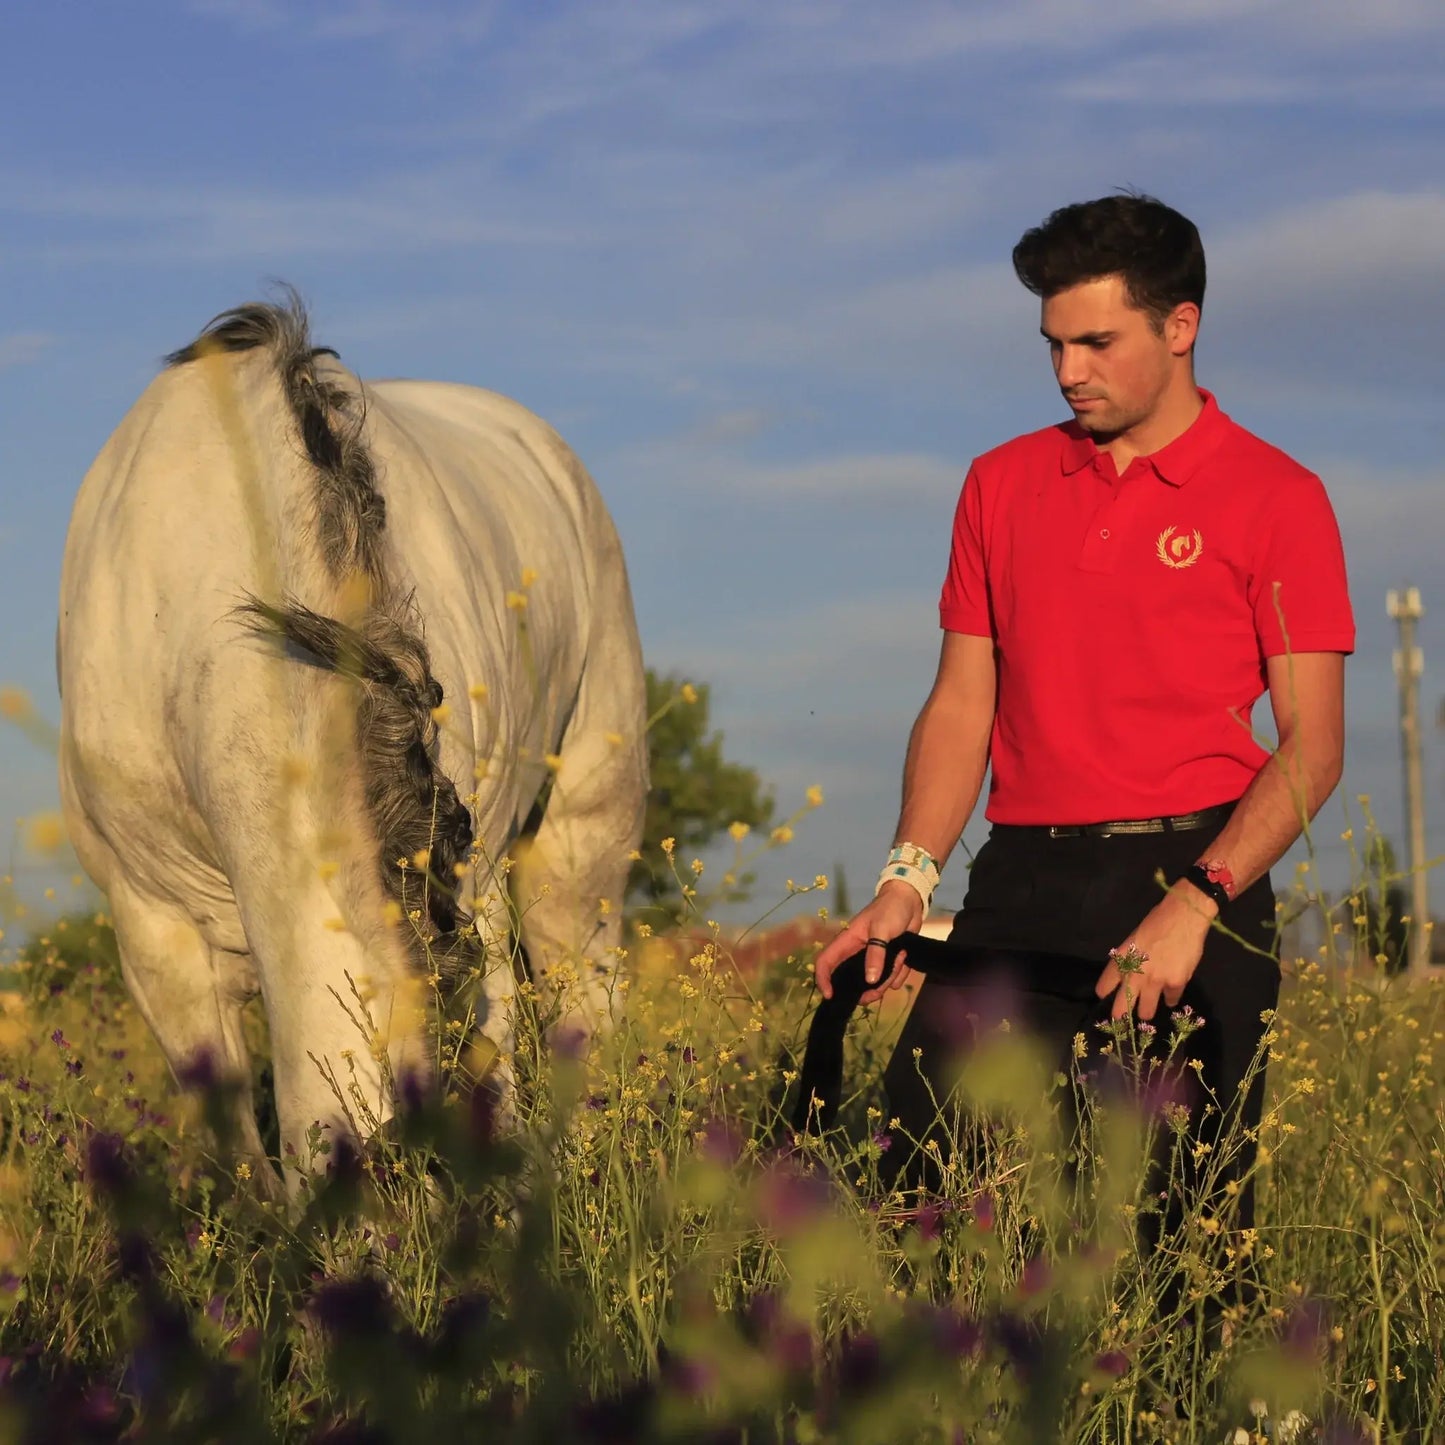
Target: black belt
x=1178, y=823
x=822, y=1073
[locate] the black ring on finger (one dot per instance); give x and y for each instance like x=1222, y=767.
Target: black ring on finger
x=881, y=942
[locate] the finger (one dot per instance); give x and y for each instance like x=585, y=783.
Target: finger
x=1109, y=980
x=900, y=974
x=1173, y=995
x=830, y=954
x=1148, y=999
x=876, y=957
x=883, y=989
x=844, y=944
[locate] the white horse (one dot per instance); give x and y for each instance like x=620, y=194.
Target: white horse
x=326, y=650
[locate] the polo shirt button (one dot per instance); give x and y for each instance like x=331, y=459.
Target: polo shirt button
x=1104, y=533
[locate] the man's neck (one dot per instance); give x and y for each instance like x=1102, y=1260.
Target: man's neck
x=1177, y=411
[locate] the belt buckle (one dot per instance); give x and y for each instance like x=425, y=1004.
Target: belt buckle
x=1064, y=830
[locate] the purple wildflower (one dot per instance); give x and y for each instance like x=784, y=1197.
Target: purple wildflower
x=860, y=1363
x=789, y=1199
x=245, y=1345
x=721, y=1143
x=1035, y=1276
x=983, y=1210
x=691, y=1376
x=954, y=1335
x=1114, y=1363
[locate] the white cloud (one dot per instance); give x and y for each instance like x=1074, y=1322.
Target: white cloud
x=884, y=478
x=727, y=428
x=845, y=33
x=1349, y=242
x=399, y=214
x=22, y=348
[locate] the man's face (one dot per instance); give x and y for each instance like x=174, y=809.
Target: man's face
x=1112, y=365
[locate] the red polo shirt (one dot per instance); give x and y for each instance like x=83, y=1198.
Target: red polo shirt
x=1133, y=615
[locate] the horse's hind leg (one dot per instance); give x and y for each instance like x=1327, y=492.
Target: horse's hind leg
x=570, y=882
x=192, y=996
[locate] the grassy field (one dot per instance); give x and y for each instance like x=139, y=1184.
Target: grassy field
x=650, y=1255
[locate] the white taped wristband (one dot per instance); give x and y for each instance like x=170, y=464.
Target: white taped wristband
x=915, y=878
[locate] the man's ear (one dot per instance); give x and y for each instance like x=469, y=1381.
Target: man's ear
x=1181, y=327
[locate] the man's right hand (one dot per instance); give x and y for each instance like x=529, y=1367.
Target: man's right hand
x=897, y=909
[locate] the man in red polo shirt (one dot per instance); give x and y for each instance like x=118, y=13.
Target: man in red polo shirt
x=1122, y=590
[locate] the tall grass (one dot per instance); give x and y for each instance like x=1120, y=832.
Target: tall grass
x=646, y=1252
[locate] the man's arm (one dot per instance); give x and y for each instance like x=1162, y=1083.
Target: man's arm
x=942, y=777
x=1307, y=693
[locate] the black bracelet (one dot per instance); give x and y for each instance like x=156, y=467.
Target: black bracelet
x=1196, y=875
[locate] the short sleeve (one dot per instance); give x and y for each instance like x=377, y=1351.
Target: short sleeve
x=1299, y=590
x=965, y=605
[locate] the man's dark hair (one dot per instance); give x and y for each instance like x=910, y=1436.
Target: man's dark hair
x=1156, y=250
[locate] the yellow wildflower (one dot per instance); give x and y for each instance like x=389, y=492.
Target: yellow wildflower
x=14, y=704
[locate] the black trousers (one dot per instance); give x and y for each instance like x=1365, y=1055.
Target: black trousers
x=1082, y=896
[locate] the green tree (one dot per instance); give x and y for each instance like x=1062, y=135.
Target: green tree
x=696, y=792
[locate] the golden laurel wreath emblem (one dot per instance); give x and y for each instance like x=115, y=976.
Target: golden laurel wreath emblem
x=1180, y=551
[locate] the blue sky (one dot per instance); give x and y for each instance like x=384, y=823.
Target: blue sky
x=752, y=260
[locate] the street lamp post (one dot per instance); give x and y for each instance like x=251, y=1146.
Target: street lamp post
x=1405, y=608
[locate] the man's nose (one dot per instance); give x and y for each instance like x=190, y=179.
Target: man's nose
x=1071, y=367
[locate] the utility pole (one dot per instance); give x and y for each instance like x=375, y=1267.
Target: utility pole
x=1406, y=610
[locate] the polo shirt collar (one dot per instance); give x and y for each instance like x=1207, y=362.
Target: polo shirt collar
x=1175, y=463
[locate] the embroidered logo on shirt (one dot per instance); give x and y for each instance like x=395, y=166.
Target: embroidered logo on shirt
x=1179, y=551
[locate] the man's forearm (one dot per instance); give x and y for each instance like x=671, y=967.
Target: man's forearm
x=943, y=774
x=1289, y=789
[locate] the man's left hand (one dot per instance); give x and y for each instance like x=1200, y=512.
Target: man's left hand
x=1170, y=942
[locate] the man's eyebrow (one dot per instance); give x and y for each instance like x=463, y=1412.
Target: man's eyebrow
x=1084, y=338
